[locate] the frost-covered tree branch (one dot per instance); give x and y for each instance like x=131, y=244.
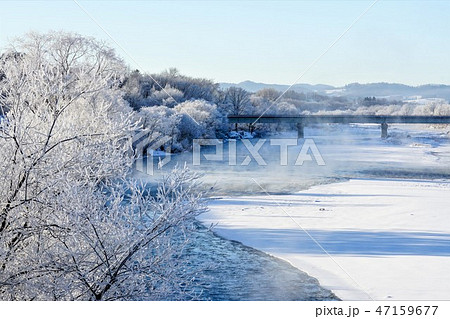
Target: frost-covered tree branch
x=72, y=224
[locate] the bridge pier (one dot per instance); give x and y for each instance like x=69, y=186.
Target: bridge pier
x=384, y=130
x=300, y=131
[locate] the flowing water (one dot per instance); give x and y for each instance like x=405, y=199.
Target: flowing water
x=232, y=271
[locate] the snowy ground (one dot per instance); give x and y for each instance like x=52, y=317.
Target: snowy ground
x=362, y=239
x=365, y=238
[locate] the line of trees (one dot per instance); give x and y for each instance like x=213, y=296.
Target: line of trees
x=188, y=108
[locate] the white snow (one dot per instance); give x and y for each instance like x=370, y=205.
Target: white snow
x=381, y=239
x=373, y=238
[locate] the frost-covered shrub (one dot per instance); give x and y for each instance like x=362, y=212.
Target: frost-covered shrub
x=187, y=131
x=205, y=114
x=179, y=126
x=167, y=88
x=159, y=120
x=168, y=97
x=431, y=109
x=284, y=108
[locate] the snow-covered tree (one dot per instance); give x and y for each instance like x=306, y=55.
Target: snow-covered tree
x=269, y=94
x=158, y=120
x=169, y=96
x=238, y=101
x=205, y=114
x=167, y=88
x=72, y=224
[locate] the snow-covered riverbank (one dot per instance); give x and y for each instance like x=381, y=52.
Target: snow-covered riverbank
x=363, y=239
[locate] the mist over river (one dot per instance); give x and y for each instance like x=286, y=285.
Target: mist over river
x=349, y=151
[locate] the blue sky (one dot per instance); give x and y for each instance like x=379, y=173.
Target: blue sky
x=263, y=41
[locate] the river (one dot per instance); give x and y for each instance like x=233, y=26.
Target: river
x=231, y=271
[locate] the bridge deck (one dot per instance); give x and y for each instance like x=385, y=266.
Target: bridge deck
x=343, y=119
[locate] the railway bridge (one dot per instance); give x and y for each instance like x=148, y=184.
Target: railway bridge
x=305, y=120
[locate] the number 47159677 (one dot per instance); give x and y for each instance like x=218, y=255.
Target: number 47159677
x=407, y=310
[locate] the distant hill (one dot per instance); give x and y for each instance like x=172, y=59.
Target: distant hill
x=395, y=90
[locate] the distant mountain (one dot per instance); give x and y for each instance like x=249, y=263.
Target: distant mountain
x=396, y=89
x=393, y=90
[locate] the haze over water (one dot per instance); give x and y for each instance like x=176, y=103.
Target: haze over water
x=349, y=151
